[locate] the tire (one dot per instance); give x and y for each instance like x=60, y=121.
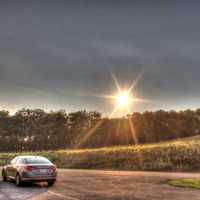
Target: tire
x=51, y=183
x=18, y=181
x=4, y=176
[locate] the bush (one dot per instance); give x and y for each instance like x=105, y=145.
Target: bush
x=179, y=155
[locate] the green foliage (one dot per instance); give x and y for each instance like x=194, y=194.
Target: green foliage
x=186, y=183
x=37, y=130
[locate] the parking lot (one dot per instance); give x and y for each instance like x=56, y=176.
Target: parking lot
x=104, y=185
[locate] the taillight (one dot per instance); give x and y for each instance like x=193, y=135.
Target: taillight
x=53, y=167
x=29, y=168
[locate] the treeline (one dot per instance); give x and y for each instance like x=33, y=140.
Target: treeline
x=34, y=130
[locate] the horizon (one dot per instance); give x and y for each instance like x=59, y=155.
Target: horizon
x=103, y=115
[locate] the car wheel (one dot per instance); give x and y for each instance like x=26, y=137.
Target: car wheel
x=4, y=176
x=18, y=181
x=51, y=183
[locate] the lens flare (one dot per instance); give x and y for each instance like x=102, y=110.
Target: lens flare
x=124, y=101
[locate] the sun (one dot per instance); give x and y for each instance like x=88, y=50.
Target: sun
x=123, y=99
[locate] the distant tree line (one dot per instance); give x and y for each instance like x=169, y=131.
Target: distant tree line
x=35, y=130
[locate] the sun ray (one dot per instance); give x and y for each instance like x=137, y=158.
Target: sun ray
x=114, y=111
x=132, y=129
x=128, y=110
x=93, y=129
x=89, y=134
x=115, y=81
x=135, y=138
x=135, y=99
x=136, y=81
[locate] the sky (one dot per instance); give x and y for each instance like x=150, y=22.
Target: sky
x=60, y=54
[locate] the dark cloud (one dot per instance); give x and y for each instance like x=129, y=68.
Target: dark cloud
x=58, y=54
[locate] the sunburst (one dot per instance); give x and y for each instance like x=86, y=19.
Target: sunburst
x=124, y=99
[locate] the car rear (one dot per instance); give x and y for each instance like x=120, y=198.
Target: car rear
x=35, y=169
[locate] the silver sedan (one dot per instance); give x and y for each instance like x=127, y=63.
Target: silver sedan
x=30, y=169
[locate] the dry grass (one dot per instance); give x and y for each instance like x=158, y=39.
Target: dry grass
x=178, y=155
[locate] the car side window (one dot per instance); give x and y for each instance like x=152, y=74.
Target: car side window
x=22, y=161
x=19, y=161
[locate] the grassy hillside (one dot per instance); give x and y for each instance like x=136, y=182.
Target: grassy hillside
x=179, y=155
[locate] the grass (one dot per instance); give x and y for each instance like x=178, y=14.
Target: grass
x=178, y=155
x=186, y=183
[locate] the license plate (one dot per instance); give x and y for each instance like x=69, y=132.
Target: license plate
x=43, y=170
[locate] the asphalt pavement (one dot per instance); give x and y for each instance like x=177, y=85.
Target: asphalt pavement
x=104, y=185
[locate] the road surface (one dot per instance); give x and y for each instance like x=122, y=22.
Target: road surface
x=104, y=185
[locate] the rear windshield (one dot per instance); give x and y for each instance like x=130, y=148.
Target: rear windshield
x=36, y=161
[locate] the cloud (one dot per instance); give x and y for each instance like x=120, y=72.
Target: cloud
x=60, y=54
